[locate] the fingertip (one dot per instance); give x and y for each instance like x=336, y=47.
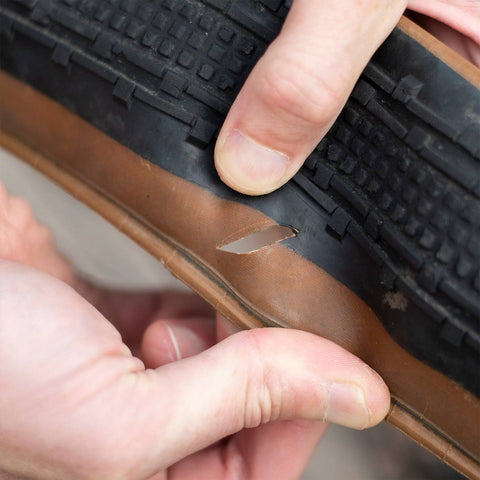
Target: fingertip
x=248, y=166
x=377, y=397
x=157, y=347
x=375, y=393
x=167, y=341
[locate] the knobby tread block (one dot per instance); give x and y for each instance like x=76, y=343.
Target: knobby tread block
x=71, y=21
x=339, y=221
x=123, y=91
x=61, y=55
x=399, y=172
x=321, y=198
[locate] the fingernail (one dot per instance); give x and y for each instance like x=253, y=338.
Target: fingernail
x=248, y=166
x=185, y=342
x=347, y=406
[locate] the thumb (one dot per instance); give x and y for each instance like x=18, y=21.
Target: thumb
x=251, y=378
x=298, y=88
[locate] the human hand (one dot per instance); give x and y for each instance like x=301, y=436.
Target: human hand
x=298, y=88
x=76, y=403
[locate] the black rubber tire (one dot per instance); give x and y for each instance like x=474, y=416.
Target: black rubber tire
x=392, y=192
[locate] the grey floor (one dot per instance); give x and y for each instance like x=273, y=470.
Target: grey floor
x=102, y=253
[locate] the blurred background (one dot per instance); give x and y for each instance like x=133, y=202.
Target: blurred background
x=103, y=254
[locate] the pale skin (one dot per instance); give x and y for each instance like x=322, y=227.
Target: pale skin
x=108, y=385
x=87, y=397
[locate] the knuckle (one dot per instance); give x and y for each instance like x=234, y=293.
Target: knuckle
x=21, y=212
x=299, y=93
x=45, y=234
x=6, y=245
x=41, y=236
x=264, y=390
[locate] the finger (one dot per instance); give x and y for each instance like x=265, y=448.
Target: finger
x=278, y=450
x=252, y=378
x=298, y=88
x=265, y=451
x=167, y=341
x=459, y=42
x=25, y=240
x=462, y=16
x=132, y=313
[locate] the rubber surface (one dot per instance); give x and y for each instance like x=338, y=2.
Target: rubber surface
x=389, y=201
